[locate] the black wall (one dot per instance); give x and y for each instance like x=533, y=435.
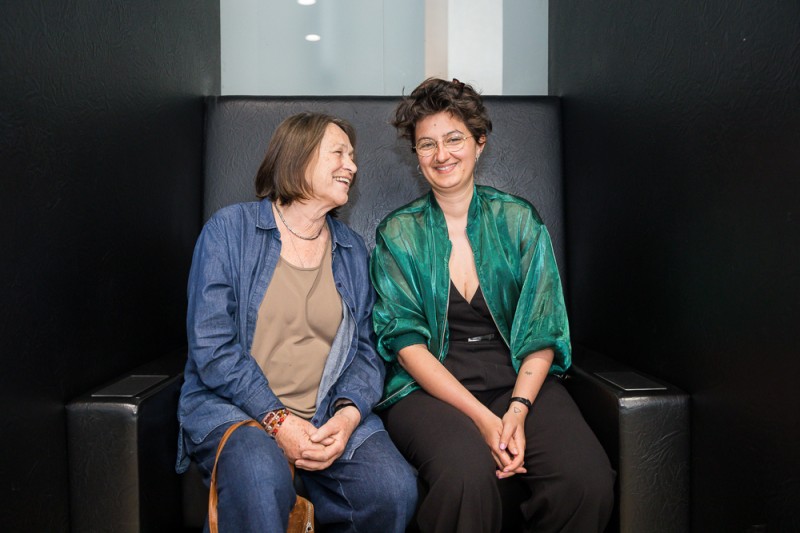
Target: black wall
x=682, y=157
x=101, y=124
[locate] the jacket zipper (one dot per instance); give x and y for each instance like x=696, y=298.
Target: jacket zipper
x=446, y=261
x=494, y=320
x=444, y=324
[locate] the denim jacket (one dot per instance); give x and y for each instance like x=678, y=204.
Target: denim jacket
x=234, y=259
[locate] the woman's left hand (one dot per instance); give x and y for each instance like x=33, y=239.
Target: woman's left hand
x=333, y=435
x=512, y=439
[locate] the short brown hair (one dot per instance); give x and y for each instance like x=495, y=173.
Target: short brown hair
x=435, y=95
x=282, y=174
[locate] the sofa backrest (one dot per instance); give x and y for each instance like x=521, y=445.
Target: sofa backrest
x=522, y=156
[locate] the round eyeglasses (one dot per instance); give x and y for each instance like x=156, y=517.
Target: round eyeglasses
x=451, y=143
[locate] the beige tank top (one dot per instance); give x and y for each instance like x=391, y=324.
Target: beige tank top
x=297, y=322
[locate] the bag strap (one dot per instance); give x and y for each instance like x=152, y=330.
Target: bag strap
x=212, y=489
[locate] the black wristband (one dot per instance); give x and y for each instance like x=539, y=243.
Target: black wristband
x=524, y=401
x=339, y=406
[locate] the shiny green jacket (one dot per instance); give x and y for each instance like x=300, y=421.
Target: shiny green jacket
x=516, y=269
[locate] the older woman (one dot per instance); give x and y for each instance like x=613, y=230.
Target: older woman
x=279, y=332
x=471, y=320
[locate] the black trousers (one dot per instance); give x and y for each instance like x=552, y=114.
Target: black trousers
x=568, y=486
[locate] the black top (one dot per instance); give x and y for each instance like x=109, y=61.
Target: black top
x=477, y=357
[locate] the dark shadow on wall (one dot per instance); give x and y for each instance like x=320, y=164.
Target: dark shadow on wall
x=681, y=124
x=101, y=124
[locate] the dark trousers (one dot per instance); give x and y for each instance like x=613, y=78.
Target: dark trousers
x=568, y=486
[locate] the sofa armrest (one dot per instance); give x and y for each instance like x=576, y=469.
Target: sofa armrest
x=122, y=444
x=643, y=424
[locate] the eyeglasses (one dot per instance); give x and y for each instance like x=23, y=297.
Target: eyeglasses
x=452, y=143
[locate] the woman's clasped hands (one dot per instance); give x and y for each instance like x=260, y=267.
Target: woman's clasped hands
x=506, y=440
x=312, y=448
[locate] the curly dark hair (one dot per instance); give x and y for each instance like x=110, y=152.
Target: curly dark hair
x=435, y=95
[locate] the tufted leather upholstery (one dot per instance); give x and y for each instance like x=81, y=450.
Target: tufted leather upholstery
x=523, y=155
x=645, y=432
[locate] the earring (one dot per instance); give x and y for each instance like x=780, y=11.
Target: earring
x=419, y=170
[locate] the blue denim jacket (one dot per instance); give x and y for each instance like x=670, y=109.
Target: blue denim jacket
x=233, y=263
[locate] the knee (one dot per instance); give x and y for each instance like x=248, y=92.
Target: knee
x=254, y=448
x=597, y=487
x=403, y=486
x=602, y=487
x=597, y=480
x=251, y=460
x=396, y=488
x=590, y=490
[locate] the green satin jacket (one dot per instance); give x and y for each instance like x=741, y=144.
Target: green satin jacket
x=516, y=269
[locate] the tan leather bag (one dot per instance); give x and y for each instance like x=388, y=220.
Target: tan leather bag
x=301, y=519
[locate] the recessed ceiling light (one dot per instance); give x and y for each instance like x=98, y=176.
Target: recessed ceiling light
x=312, y=37
x=306, y=2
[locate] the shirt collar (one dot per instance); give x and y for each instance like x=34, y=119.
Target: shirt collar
x=473, y=213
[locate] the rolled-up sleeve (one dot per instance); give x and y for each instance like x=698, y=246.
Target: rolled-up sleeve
x=540, y=320
x=399, y=317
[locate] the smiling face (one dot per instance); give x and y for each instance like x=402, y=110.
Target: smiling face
x=447, y=172
x=331, y=171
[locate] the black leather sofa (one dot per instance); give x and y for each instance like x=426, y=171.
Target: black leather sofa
x=122, y=436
